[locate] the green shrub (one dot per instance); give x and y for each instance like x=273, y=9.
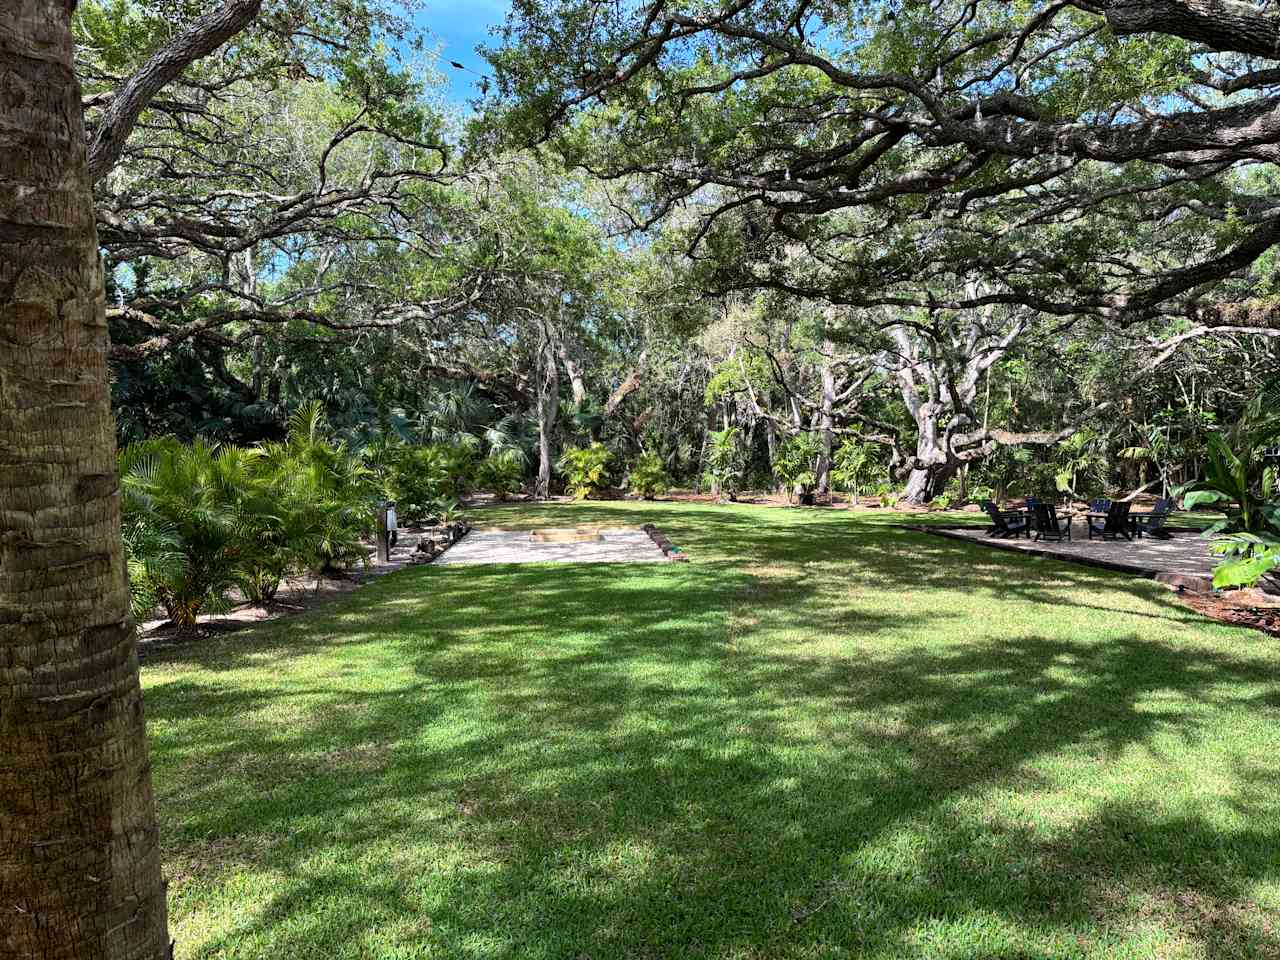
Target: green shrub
x=422, y=475
x=887, y=495
x=648, y=478
x=726, y=462
x=183, y=524
x=445, y=511
x=200, y=519
x=981, y=492
x=314, y=503
x=853, y=466
x=502, y=473
x=586, y=469
x=796, y=463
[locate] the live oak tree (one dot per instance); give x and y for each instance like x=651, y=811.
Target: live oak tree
x=921, y=111
x=293, y=179
x=1090, y=159
x=556, y=300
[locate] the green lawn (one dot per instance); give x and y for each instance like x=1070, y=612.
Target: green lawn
x=824, y=737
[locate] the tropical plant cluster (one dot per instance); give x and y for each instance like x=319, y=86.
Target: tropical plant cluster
x=1242, y=479
x=201, y=519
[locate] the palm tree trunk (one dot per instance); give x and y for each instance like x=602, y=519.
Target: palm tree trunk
x=79, y=856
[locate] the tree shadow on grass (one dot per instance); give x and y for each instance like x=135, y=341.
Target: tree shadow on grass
x=730, y=549
x=756, y=758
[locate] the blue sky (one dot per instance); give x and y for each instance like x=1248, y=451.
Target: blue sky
x=455, y=27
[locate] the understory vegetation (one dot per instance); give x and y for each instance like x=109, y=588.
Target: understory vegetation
x=825, y=737
x=807, y=287
x=201, y=518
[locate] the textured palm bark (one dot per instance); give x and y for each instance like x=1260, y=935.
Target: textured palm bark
x=79, y=862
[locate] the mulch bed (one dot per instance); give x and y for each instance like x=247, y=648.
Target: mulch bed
x=1238, y=612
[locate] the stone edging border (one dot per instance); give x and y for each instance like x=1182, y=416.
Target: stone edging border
x=1177, y=581
x=664, y=544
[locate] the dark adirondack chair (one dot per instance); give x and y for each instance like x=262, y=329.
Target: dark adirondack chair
x=1049, y=526
x=1005, y=523
x=1116, y=524
x=1152, y=524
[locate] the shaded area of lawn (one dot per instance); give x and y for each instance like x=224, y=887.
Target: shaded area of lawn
x=824, y=737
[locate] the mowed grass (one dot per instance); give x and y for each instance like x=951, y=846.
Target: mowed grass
x=824, y=737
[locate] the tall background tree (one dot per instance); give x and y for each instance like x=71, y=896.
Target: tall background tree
x=1066, y=162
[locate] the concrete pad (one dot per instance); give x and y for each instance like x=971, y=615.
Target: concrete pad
x=571, y=546
x=1183, y=561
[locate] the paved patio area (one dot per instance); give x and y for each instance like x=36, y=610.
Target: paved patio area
x=1183, y=560
x=507, y=546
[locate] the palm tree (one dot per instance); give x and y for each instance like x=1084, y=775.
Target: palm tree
x=201, y=502
x=79, y=853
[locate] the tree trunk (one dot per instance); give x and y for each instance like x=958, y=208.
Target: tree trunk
x=79, y=857
x=548, y=411
x=577, y=385
x=826, y=421
x=933, y=468
x=926, y=483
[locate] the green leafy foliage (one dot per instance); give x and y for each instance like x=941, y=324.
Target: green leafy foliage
x=726, y=462
x=1241, y=483
x=586, y=469
x=1249, y=558
x=796, y=463
x=648, y=477
x=185, y=523
x=445, y=511
x=312, y=501
x=200, y=519
x=421, y=475
x=501, y=473
x=853, y=466
x=1079, y=464
x=1243, y=479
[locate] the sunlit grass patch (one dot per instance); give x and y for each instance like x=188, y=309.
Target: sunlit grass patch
x=823, y=737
